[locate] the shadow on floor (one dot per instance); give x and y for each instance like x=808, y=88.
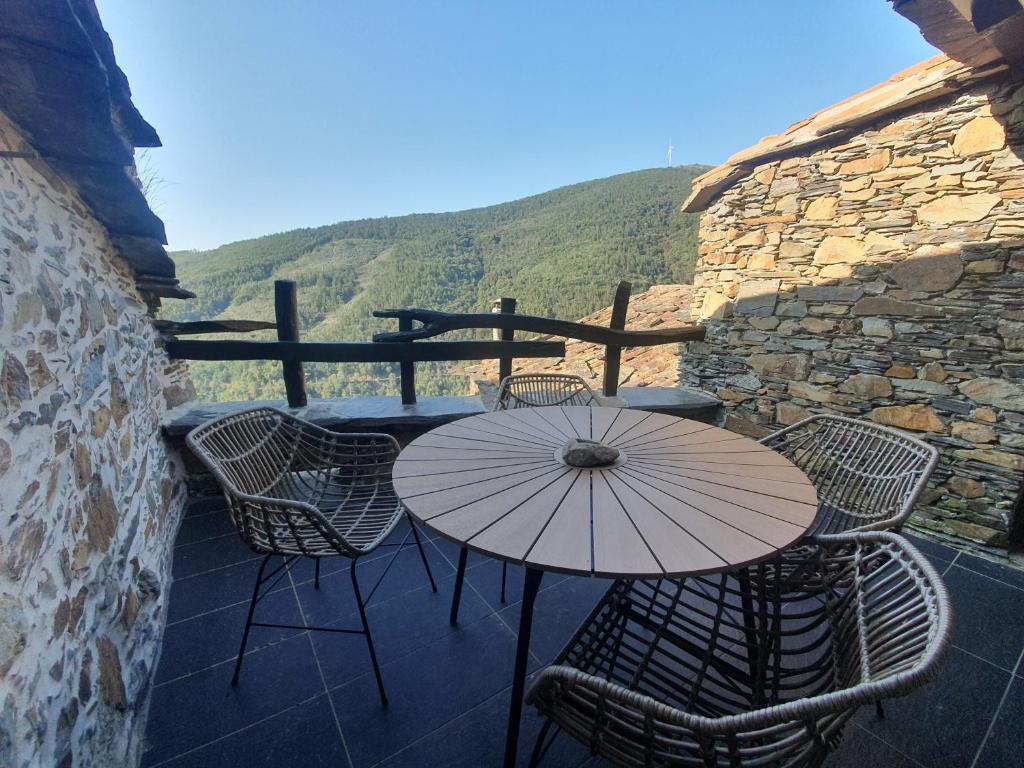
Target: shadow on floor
x=310, y=700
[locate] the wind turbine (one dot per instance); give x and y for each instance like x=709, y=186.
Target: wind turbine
x=670, y=153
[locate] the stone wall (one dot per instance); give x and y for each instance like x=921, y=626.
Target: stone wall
x=883, y=278
x=90, y=495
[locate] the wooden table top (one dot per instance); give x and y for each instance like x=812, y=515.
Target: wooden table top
x=686, y=497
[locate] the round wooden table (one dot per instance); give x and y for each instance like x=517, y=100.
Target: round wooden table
x=683, y=498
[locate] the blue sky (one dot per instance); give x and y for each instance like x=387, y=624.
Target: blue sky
x=280, y=115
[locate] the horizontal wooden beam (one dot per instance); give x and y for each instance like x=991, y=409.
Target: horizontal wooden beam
x=360, y=352
x=436, y=323
x=174, y=328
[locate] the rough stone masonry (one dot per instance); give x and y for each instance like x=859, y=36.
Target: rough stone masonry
x=883, y=278
x=90, y=496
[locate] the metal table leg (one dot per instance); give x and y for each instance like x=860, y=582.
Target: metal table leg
x=460, y=575
x=531, y=585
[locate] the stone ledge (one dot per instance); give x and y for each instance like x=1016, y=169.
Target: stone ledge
x=387, y=414
x=674, y=401
x=404, y=422
x=356, y=413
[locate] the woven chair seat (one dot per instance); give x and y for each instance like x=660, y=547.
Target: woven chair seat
x=676, y=673
x=364, y=515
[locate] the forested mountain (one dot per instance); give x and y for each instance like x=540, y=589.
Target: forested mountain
x=560, y=253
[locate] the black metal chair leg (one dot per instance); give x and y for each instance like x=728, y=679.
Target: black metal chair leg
x=504, y=575
x=369, y=637
x=248, y=620
x=750, y=632
x=460, y=575
x=539, y=747
x=316, y=573
x=423, y=555
x=879, y=710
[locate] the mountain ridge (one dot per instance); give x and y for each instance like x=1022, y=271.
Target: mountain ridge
x=560, y=253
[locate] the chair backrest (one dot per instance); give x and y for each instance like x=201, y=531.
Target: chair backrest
x=533, y=390
x=868, y=477
x=277, y=471
x=249, y=452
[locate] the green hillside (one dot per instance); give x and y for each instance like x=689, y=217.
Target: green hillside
x=560, y=253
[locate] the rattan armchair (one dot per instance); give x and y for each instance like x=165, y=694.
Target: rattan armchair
x=868, y=477
x=297, y=490
x=534, y=390
x=763, y=666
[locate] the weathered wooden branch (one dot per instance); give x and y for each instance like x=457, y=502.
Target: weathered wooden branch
x=613, y=352
x=286, y=312
x=407, y=371
x=175, y=328
x=508, y=306
x=436, y=323
x=360, y=352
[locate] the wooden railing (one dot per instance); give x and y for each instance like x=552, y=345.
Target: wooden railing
x=405, y=346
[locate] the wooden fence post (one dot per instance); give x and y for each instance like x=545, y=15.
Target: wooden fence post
x=286, y=311
x=407, y=368
x=612, y=354
x=506, y=306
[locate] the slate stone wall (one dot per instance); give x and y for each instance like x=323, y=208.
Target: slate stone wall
x=90, y=495
x=883, y=278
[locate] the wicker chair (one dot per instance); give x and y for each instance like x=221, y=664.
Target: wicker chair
x=533, y=390
x=868, y=477
x=297, y=490
x=700, y=672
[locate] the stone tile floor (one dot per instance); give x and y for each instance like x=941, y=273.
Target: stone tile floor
x=310, y=699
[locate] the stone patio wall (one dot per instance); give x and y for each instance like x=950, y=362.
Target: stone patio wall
x=883, y=277
x=90, y=496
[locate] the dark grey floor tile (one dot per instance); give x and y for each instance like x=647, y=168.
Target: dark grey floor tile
x=304, y=568
x=208, y=591
x=336, y=599
x=939, y=554
x=209, y=555
x=450, y=550
x=558, y=613
x=476, y=739
x=204, y=504
x=988, y=616
x=202, y=641
x=860, y=749
x=193, y=711
x=1005, y=573
x=303, y=736
x=209, y=525
x=942, y=724
x=474, y=560
x=486, y=578
x=426, y=689
x=1005, y=744
x=400, y=625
